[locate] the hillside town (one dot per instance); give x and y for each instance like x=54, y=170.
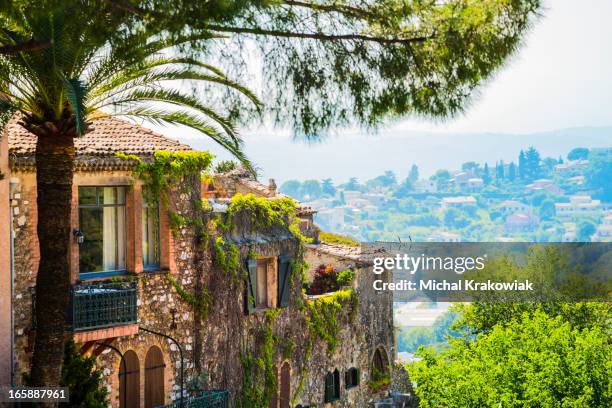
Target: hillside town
x=539, y=200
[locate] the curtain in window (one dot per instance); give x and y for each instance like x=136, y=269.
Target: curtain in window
x=113, y=241
x=150, y=235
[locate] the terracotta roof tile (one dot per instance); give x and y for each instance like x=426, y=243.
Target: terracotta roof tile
x=105, y=138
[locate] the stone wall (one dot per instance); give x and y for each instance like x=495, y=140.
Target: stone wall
x=214, y=344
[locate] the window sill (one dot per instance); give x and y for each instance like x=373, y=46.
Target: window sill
x=87, y=276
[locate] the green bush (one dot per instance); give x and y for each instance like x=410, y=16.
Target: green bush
x=84, y=382
x=346, y=277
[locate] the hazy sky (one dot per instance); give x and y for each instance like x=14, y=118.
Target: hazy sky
x=561, y=78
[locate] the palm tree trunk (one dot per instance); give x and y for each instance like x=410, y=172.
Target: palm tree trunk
x=55, y=157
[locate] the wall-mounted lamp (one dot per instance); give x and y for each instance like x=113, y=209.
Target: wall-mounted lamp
x=78, y=235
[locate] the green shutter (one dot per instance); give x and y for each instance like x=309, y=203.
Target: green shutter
x=251, y=290
x=329, y=387
x=284, y=281
x=347, y=378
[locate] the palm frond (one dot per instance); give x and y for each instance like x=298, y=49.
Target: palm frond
x=76, y=91
x=172, y=97
x=232, y=144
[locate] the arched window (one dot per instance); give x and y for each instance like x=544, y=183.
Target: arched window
x=129, y=383
x=285, y=385
x=154, y=378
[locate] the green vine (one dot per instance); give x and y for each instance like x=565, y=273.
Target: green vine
x=227, y=257
x=324, y=313
x=259, y=382
x=262, y=214
x=201, y=304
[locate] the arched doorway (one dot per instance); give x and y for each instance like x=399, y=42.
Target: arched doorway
x=379, y=371
x=285, y=385
x=154, y=377
x=129, y=383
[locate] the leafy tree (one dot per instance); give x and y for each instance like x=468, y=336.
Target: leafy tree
x=413, y=176
x=84, y=382
x=327, y=187
x=585, y=230
x=225, y=166
x=311, y=189
x=292, y=188
x=64, y=62
x=442, y=178
x=598, y=176
x=352, y=185
x=547, y=209
x=522, y=165
x=455, y=218
x=499, y=170
x=578, y=153
x=532, y=164
x=82, y=77
x=471, y=167
x=535, y=360
x=511, y=171
x=486, y=176
x=404, y=189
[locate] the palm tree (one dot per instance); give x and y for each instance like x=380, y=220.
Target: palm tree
x=57, y=89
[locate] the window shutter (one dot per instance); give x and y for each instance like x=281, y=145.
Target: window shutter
x=356, y=376
x=329, y=387
x=251, y=290
x=284, y=281
x=347, y=378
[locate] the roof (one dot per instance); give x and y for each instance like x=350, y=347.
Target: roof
x=459, y=199
x=104, y=139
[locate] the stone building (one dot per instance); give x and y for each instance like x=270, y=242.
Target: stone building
x=140, y=285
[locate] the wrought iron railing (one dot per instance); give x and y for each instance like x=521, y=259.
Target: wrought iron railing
x=209, y=399
x=103, y=304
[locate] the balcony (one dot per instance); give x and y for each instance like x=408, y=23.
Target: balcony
x=209, y=399
x=103, y=305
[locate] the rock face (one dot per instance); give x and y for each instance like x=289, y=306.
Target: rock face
x=280, y=352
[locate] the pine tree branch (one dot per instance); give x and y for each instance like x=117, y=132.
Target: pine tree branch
x=316, y=36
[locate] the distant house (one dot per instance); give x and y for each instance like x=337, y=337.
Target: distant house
x=604, y=231
x=521, y=222
x=569, y=233
x=543, y=186
x=426, y=186
x=444, y=236
x=571, y=165
x=333, y=218
x=576, y=180
x=460, y=180
x=474, y=185
x=351, y=194
x=512, y=206
x=458, y=202
x=579, y=206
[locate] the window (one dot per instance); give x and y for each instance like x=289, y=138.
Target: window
x=351, y=377
x=332, y=386
x=262, y=284
x=102, y=223
x=261, y=300
x=150, y=235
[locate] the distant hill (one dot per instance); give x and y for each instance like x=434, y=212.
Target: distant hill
x=366, y=156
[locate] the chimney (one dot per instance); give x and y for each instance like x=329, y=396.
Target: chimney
x=272, y=186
